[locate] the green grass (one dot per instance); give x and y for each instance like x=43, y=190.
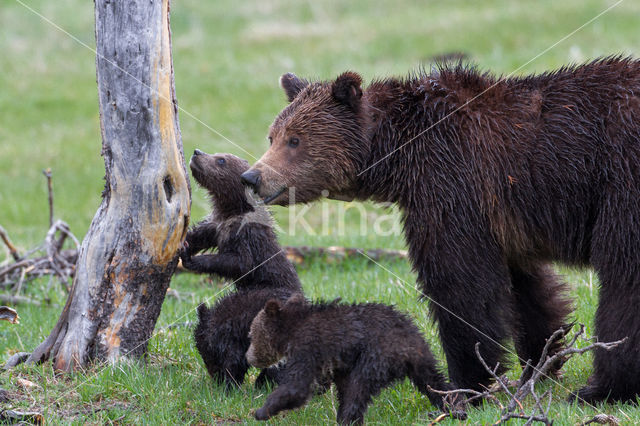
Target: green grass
x=228, y=56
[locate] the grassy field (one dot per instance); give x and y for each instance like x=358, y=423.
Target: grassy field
x=228, y=56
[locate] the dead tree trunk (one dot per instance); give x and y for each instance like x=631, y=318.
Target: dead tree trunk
x=129, y=253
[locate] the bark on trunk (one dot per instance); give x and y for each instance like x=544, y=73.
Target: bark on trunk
x=129, y=253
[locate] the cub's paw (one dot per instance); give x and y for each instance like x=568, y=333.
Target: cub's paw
x=185, y=254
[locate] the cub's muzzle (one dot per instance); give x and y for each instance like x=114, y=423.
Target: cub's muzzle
x=251, y=178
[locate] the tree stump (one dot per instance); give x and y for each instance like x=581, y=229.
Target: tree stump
x=129, y=253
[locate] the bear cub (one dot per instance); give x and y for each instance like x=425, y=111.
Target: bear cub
x=363, y=347
x=248, y=253
x=222, y=335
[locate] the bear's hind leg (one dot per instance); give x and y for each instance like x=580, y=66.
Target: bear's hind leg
x=354, y=396
x=423, y=372
x=615, y=257
x=616, y=373
x=540, y=308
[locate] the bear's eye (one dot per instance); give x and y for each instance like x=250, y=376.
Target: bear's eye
x=270, y=140
x=220, y=161
x=294, y=142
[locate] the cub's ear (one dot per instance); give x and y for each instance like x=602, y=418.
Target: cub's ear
x=292, y=85
x=346, y=89
x=202, y=311
x=297, y=299
x=272, y=307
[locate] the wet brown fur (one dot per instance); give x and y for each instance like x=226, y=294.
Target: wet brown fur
x=363, y=348
x=248, y=253
x=496, y=178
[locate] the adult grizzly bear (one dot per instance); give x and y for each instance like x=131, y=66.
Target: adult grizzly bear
x=362, y=347
x=248, y=252
x=496, y=178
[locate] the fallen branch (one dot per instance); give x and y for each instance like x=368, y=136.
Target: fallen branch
x=56, y=262
x=8, y=314
x=20, y=417
x=525, y=385
x=17, y=300
x=12, y=249
x=16, y=359
x=298, y=255
x=48, y=259
x=303, y=255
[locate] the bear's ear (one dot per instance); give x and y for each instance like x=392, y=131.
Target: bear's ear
x=272, y=307
x=296, y=299
x=346, y=89
x=292, y=85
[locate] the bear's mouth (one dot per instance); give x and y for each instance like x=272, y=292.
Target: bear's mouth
x=273, y=196
x=197, y=172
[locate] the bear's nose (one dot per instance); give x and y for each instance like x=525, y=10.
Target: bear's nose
x=251, y=178
x=197, y=152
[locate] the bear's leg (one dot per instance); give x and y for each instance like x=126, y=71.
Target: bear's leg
x=210, y=357
x=202, y=237
x=616, y=373
x=224, y=264
x=423, y=372
x=354, y=395
x=234, y=371
x=289, y=395
x=466, y=277
x=540, y=309
x=477, y=310
x=616, y=259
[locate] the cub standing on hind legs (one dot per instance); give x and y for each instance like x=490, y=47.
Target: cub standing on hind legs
x=496, y=178
x=248, y=253
x=364, y=348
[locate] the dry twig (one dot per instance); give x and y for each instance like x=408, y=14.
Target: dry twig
x=12, y=249
x=525, y=385
x=47, y=174
x=47, y=259
x=603, y=419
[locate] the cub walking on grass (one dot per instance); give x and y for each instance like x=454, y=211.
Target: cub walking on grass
x=362, y=347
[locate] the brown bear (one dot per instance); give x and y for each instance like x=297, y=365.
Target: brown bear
x=248, y=253
x=496, y=178
x=363, y=348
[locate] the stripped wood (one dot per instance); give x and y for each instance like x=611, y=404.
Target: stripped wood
x=129, y=253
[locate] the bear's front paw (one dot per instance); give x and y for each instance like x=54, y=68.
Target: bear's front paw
x=262, y=414
x=184, y=253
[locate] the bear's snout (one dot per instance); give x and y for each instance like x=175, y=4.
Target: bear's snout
x=197, y=152
x=250, y=356
x=251, y=178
